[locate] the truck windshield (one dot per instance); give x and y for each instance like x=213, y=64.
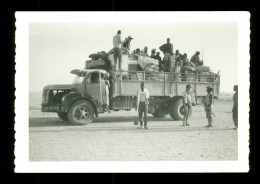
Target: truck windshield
x=78, y=79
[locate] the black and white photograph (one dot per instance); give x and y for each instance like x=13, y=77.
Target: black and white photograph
x=132, y=92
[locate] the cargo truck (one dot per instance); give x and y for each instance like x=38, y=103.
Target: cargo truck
x=81, y=101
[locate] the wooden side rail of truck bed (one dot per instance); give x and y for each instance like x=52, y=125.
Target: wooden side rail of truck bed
x=163, y=83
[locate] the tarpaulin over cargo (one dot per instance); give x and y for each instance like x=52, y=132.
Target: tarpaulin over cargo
x=147, y=63
x=203, y=69
x=101, y=55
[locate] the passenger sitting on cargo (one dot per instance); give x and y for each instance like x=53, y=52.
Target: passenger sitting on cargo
x=137, y=51
x=195, y=59
x=185, y=59
x=126, y=43
x=153, y=53
x=161, y=62
x=144, y=52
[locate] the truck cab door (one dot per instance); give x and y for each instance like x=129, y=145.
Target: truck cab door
x=93, y=86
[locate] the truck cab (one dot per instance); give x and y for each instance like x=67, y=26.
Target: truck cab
x=77, y=102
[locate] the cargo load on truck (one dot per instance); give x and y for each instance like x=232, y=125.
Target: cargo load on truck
x=98, y=60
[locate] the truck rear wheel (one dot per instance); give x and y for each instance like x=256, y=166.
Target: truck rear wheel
x=171, y=109
x=177, y=110
x=63, y=116
x=160, y=111
x=81, y=112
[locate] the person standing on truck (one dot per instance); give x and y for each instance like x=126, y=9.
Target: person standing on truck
x=208, y=105
x=188, y=102
x=167, y=50
x=235, y=106
x=142, y=105
x=105, y=85
x=117, y=52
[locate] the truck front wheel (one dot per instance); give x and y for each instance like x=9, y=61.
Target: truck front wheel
x=63, y=116
x=81, y=112
x=177, y=110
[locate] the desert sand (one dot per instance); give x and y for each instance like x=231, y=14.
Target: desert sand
x=114, y=137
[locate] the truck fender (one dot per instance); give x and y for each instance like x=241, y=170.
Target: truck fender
x=72, y=97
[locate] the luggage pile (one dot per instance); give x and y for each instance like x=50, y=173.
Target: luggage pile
x=203, y=69
x=148, y=64
x=152, y=76
x=98, y=61
x=190, y=67
x=158, y=76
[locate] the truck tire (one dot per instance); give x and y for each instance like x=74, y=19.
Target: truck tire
x=81, y=112
x=159, y=111
x=159, y=114
x=63, y=116
x=177, y=110
x=171, y=109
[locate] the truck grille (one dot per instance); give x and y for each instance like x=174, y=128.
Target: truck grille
x=45, y=96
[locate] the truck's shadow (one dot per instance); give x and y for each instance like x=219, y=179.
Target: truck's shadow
x=53, y=122
x=129, y=128
x=127, y=122
x=127, y=119
x=47, y=122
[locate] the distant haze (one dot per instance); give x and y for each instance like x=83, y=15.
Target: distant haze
x=57, y=48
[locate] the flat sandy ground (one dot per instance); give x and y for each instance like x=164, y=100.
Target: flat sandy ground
x=114, y=137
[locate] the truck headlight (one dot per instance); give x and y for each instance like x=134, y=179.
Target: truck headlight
x=62, y=99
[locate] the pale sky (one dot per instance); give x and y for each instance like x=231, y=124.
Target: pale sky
x=57, y=48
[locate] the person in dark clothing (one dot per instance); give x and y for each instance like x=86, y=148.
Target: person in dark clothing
x=195, y=59
x=208, y=105
x=161, y=62
x=235, y=106
x=167, y=50
x=126, y=43
x=153, y=53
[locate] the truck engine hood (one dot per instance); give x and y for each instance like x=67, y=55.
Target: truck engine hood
x=60, y=86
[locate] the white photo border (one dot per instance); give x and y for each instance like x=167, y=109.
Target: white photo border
x=22, y=163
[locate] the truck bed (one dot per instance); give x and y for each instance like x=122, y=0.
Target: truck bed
x=163, y=83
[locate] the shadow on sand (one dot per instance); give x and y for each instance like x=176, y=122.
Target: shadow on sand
x=120, y=128
x=51, y=121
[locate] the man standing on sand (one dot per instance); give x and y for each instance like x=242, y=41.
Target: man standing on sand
x=142, y=105
x=188, y=102
x=117, y=42
x=235, y=106
x=208, y=105
x=167, y=50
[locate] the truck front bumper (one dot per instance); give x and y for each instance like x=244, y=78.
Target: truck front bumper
x=52, y=108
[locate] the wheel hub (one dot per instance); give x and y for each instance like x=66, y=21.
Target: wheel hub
x=81, y=113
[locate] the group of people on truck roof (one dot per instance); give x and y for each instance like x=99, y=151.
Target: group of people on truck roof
x=171, y=62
